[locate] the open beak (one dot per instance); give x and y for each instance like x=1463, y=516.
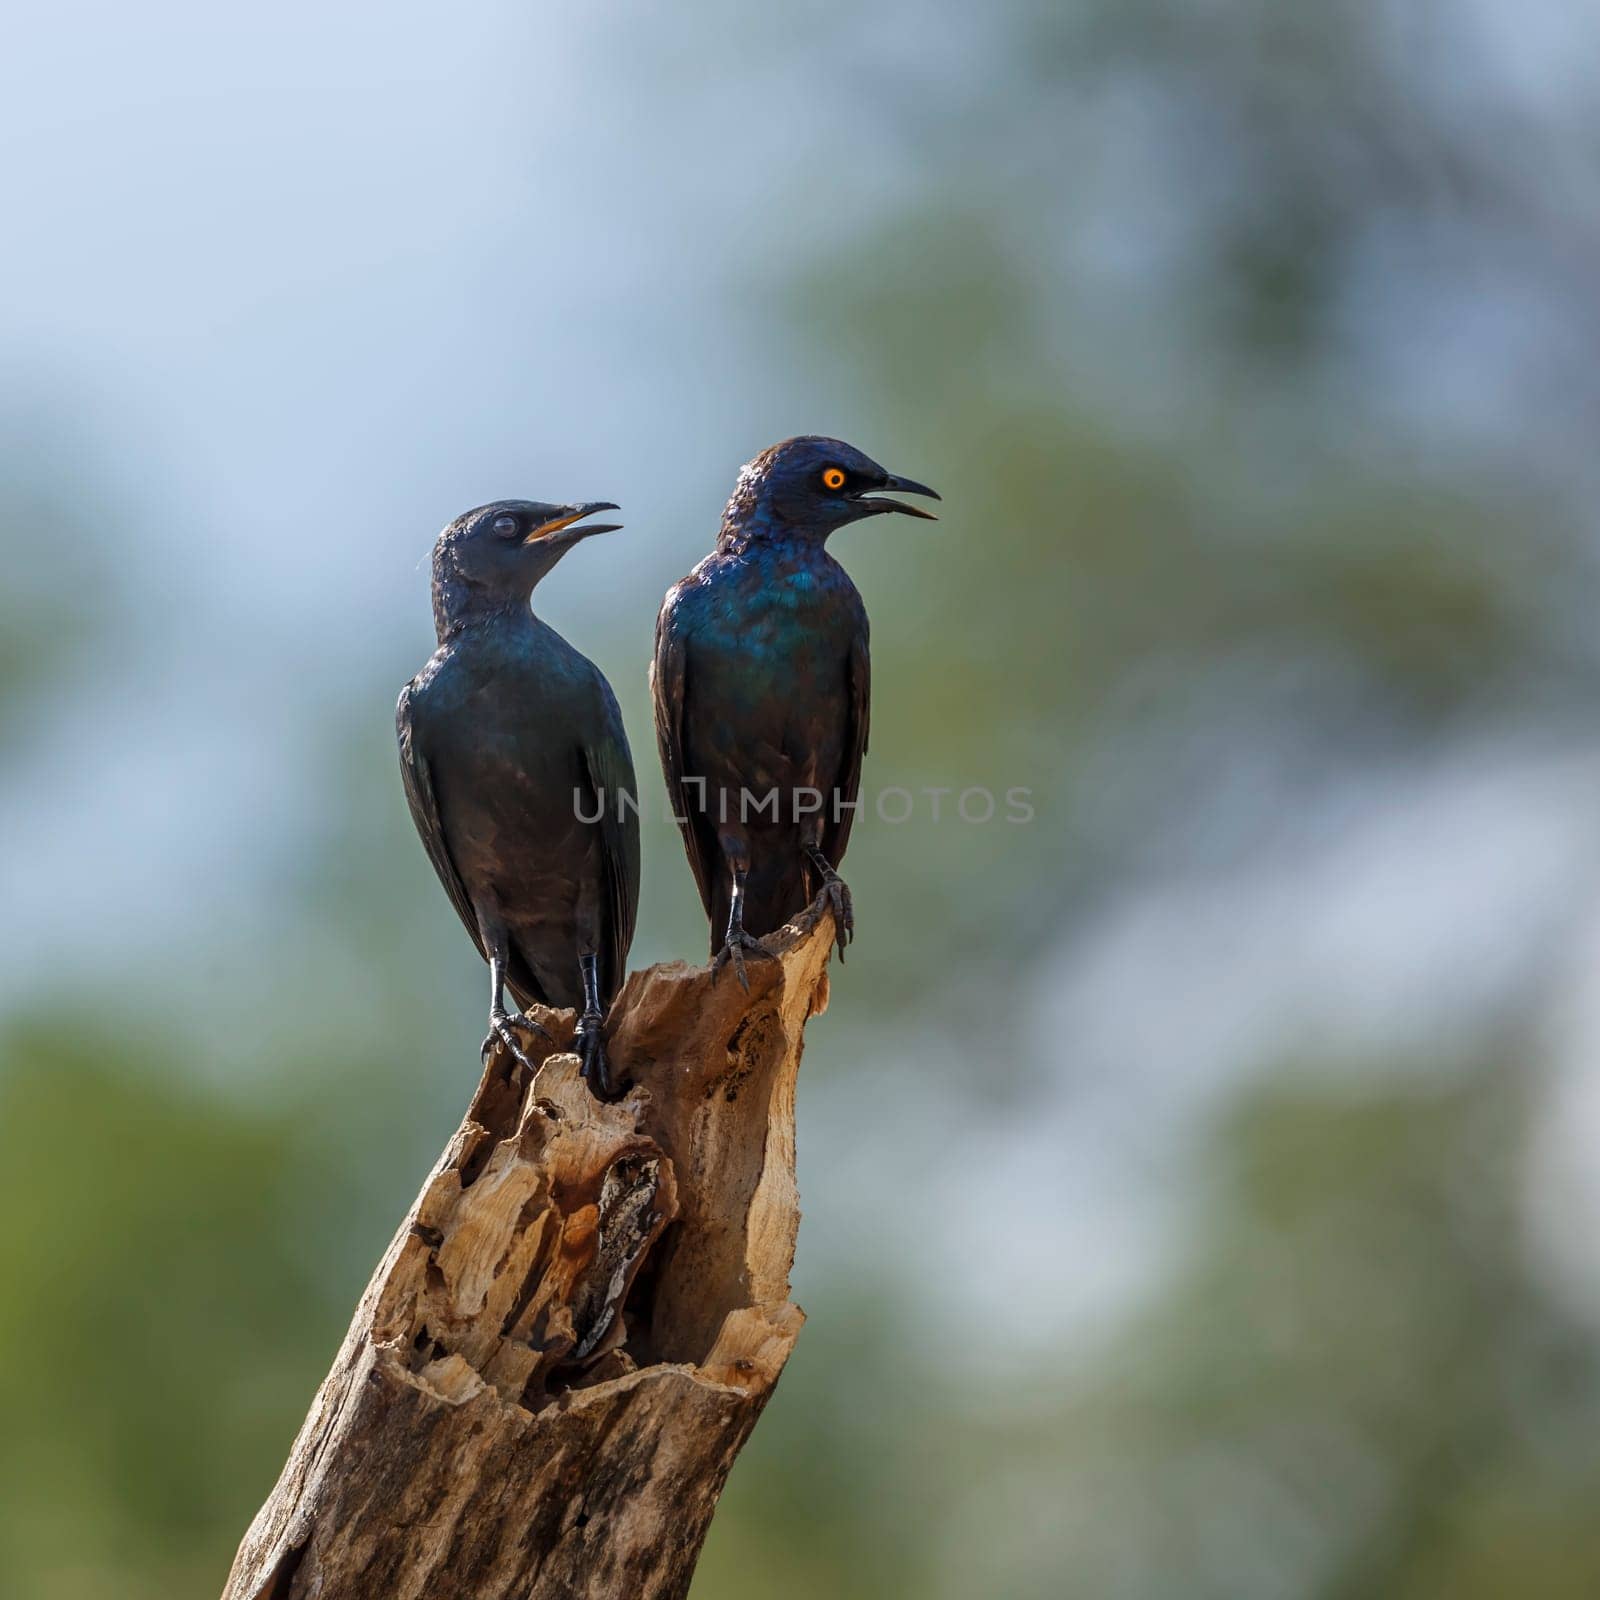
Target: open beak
x=875, y=502
x=570, y=516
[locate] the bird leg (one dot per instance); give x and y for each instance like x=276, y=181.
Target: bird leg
x=736, y=942
x=591, y=1048
x=501, y=1025
x=836, y=892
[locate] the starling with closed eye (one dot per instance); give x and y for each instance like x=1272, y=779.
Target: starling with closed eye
x=515, y=760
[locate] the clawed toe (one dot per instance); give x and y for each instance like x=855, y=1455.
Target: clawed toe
x=733, y=953
x=843, y=908
x=504, y=1031
x=498, y=1035
x=834, y=896
x=593, y=1060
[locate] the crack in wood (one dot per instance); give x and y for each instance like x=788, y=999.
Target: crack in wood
x=578, y=1324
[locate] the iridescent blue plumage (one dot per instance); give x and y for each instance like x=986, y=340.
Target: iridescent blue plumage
x=761, y=685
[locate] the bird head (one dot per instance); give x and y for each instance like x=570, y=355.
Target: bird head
x=812, y=484
x=490, y=558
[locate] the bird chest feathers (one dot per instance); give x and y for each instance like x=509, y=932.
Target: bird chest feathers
x=786, y=611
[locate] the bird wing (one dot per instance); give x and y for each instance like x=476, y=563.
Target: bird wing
x=858, y=681
x=425, y=812
x=610, y=769
x=669, y=689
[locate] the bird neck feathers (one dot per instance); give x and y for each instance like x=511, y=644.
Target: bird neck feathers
x=750, y=520
x=460, y=603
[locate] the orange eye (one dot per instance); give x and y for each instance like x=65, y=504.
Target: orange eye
x=833, y=478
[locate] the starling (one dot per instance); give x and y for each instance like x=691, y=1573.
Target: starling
x=515, y=763
x=761, y=682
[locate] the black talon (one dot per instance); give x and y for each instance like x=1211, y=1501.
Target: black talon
x=495, y=1036
x=589, y=1043
x=732, y=952
x=594, y=1063
x=737, y=940
x=503, y=1026
x=835, y=893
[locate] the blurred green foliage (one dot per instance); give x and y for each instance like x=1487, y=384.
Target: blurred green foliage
x=1354, y=1371
x=159, y=1321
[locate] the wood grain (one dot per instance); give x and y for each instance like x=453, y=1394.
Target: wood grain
x=578, y=1323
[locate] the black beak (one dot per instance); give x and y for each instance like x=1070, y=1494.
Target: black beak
x=570, y=516
x=871, y=503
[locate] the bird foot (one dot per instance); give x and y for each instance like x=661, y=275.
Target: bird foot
x=834, y=897
x=590, y=1050
x=503, y=1028
x=733, y=953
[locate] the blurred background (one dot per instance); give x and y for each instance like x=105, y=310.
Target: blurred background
x=1201, y=1180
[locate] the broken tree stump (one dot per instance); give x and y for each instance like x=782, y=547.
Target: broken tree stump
x=577, y=1325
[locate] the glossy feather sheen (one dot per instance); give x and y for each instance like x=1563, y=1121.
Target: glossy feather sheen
x=761, y=683
x=505, y=736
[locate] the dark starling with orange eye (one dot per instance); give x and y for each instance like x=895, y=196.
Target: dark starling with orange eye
x=514, y=759
x=761, y=692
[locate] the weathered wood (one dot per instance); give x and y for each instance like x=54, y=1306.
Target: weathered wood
x=577, y=1325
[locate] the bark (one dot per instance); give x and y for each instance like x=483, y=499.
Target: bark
x=577, y=1325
